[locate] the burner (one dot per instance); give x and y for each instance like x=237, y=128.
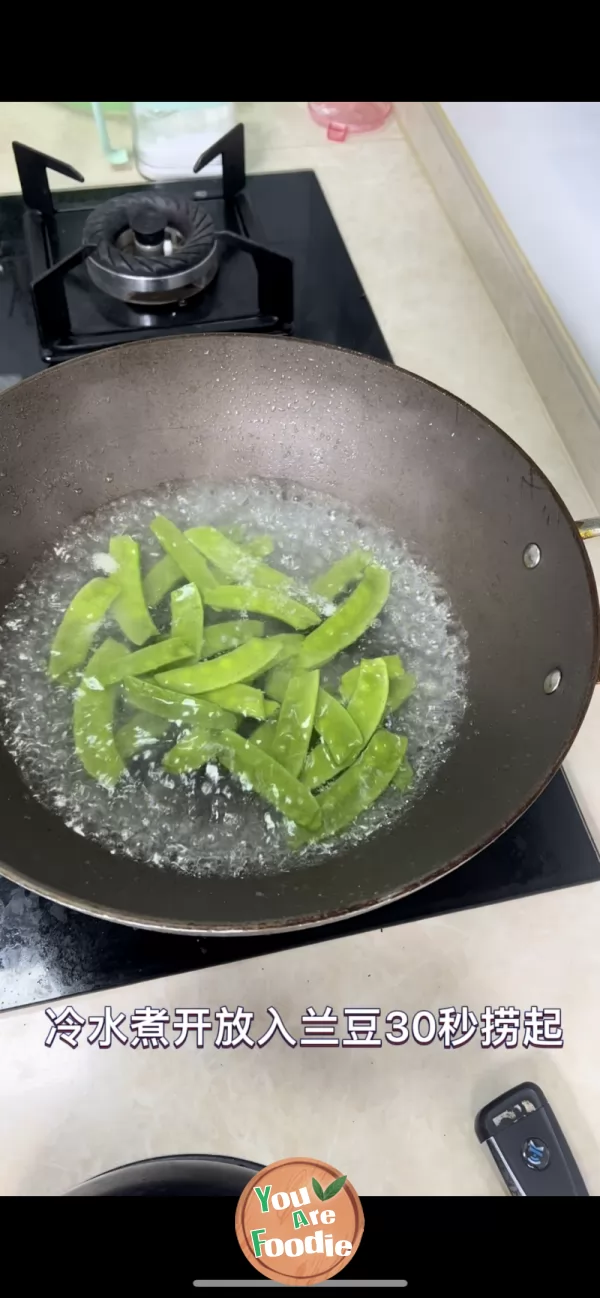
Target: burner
x=151, y=248
x=125, y=263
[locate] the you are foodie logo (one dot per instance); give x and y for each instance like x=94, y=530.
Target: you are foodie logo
x=299, y=1221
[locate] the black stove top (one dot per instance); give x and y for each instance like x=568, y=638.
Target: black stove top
x=48, y=951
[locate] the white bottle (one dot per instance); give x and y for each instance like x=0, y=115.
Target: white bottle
x=169, y=137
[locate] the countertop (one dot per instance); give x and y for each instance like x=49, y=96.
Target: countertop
x=399, y=1119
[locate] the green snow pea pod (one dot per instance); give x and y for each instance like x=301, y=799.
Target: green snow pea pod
x=150, y=697
x=270, y=602
x=259, y=546
x=245, y=699
x=141, y=732
x=160, y=579
x=339, y=733
x=93, y=710
x=366, y=708
x=145, y=660
x=264, y=735
x=187, y=617
x=233, y=560
x=349, y=621
x=73, y=639
x=400, y=690
x=130, y=608
x=193, y=750
x=345, y=572
x=295, y=721
x=404, y=776
x=253, y=765
x=367, y=705
x=359, y=786
x=276, y=682
x=180, y=548
x=222, y=636
x=349, y=680
x=235, y=533
x=290, y=643
x=241, y=665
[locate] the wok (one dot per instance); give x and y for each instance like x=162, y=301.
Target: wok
x=172, y=1176
x=466, y=499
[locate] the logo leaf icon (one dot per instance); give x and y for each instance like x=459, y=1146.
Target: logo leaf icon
x=318, y=1189
x=335, y=1187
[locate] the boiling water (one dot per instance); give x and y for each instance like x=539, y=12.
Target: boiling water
x=205, y=822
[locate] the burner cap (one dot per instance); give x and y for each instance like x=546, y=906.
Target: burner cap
x=148, y=225
x=151, y=247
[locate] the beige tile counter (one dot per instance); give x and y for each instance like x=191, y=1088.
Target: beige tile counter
x=398, y=1119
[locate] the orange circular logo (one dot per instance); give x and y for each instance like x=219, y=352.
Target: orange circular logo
x=299, y=1221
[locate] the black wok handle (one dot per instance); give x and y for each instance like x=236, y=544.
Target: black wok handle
x=528, y=1146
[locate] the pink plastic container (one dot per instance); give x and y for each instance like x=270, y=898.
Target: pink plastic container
x=339, y=119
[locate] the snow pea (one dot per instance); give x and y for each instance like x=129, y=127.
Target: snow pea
x=192, y=751
x=259, y=546
x=359, y=786
x=276, y=682
x=295, y=721
x=166, y=573
x=264, y=735
x=187, y=617
x=160, y=579
x=400, y=690
x=272, y=603
x=93, y=710
x=150, y=697
x=233, y=560
x=145, y=660
x=345, y=572
x=366, y=708
x=139, y=733
x=349, y=621
x=404, y=776
x=367, y=705
x=235, y=533
x=339, y=733
x=180, y=548
x=253, y=766
x=245, y=699
x=290, y=643
x=73, y=639
x=349, y=680
x=241, y=665
x=222, y=636
x=130, y=608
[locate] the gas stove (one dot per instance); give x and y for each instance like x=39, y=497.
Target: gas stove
x=83, y=269
x=113, y=266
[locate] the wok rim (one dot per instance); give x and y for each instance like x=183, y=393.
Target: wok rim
x=349, y=911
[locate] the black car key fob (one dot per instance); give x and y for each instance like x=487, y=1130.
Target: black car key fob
x=527, y=1144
